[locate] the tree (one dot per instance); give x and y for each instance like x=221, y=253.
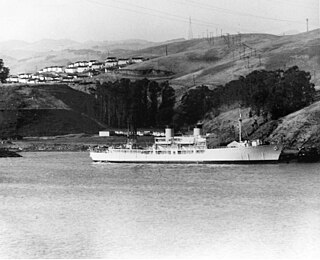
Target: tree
x=4, y=72
x=166, y=112
x=194, y=105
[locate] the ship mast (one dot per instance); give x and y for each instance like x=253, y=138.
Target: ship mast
x=240, y=125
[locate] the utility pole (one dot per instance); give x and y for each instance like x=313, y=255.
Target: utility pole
x=307, y=24
x=190, y=34
x=166, y=50
x=260, y=59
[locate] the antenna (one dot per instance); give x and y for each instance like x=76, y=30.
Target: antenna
x=190, y=34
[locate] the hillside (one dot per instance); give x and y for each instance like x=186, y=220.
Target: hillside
x=216, y=62
x=297, y=129
x=58, y=109
x=46, y=110
x=21, y=56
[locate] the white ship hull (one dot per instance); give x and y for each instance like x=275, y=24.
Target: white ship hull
x=246, y=155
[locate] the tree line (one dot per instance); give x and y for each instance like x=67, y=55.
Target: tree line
x=135, y=104
x=271, y=93
x=4, y=71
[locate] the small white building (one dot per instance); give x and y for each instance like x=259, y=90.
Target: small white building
x=136, y=59
x=81, y=64
x=82, y=69
x=91, y=62
x=71, y=65
x=123, y=62
x=25, y=76
x=97, y=66
x=57, y=69
x=33, y=81
x=106, y=133
x=111, y=62
x=70, y=70
x=12, y=79
x=48, y=78
x=23, y=80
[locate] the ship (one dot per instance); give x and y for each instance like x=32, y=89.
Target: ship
x=190, y=149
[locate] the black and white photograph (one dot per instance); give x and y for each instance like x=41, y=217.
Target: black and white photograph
x=160, y=129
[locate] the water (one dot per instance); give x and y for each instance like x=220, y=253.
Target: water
x=61, y=205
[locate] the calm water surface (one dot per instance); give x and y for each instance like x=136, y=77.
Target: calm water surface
x=61, y=205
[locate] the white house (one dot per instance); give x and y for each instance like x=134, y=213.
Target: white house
x=23, y=80
x=33, y=81
x=71, y=65
x=111, y=62
x=57, y=69
x=123, y=62
x=97, y=66
x=91, y=62
x=81, y=69
x=106, y=133
x=12, y=79
x=136, y=59
x=70, y=70
x=81, y=63
x=48, y=79
x=25, y=76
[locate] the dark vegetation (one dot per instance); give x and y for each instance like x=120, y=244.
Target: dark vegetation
x=271, y=93
x=53, y=110
x=145, y=103
x=4, y=72
x=135, y=104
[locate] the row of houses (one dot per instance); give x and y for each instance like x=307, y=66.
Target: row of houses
x=73, y=71
x=27, y=78
x=93, y=65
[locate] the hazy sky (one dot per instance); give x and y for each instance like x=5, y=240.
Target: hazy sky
x=154, y=20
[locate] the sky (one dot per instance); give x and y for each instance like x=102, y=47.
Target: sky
x=153, y=20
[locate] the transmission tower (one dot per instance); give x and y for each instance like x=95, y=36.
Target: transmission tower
x=190, y=34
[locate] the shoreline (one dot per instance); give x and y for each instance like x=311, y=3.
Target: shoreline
x=68, y=143
x=82, y=143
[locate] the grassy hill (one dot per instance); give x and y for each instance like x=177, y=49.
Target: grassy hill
x=297, y=129
x=22, y=56
x=214, y=62
x=58, y=109
x=46, y=110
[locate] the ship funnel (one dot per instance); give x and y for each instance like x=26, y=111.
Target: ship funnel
x=169, y=134
x=196, y=131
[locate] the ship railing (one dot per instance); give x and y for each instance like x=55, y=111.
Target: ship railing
x=98, y=148
x=140, y=151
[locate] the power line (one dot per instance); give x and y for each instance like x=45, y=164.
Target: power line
x=164, y=15
x=232, y=12
x=190, y=34
x=290, y=2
